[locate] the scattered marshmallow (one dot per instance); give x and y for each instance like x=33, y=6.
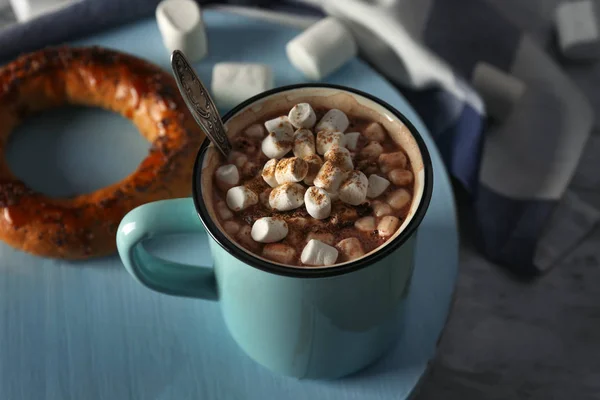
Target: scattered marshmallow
x=268, y=172
x=353, y=190
x=328, y=139
x=269, y=230
x=371, y=151
x=329, y=177
x=181, y=27
x=351, y=140
x=227, y=176
x=398, y=199
x=302, y=116
x=318, y=203
x=318, y=253
x=233, y=83
x=351, y=248
x=390, y=161
x=290, y=170
x=499, y=90
x=388, y=226
x=255, y=131
x=240, y=197
x=304, y=143
x=577, y=29
x=314, y=165
x=279, y=252
x=400, y=177
x=223, y=211
x=287, y=196
x=321, y=49
x=365, y=224
x=334, y=120
x=377, y=185
x=340, y=157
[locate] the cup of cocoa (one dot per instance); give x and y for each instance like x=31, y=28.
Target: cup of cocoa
x=311, y=223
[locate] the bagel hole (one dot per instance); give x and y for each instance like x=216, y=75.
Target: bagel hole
x=74, y=150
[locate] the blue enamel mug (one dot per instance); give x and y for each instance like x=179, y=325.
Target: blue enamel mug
x=313, y=323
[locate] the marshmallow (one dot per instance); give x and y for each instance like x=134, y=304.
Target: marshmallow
x=233, y=83
x=304, y=143
x=500, y=91
x=255, y=131
x=365, y=224
x=224, y=212
x=240, y=197
x=390, y=161
x=244, y=237
x=324, y=237
x=577, y=29
x=398, y=199
x=237, y=158
x=318, y=253
x=314, y=165
x=227, y=176
x=351, y=248
x=280, y=126
x=181, y=27
x=354, y=189
x=302, y=116
x=381, y=209
x=329, y=177
x=268, y=172
x=327, y=139
x=333, y=120
x=318, y=203
x=287, y=197
x=400, y=177
x=374, y=132
x=321, y=49
x=263, y=197
x=351, y=140
x=340, y=157
x=279, y=252
x=231, y=227
x=269, y=230
x=290, y=170
x=371, y=151
x=377, y=185
x=280, y=138
x=388, y=226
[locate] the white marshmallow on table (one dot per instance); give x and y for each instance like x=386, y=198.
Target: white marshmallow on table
x=314, y=165
x=318, y=203
x=304, y=143
x=321, y=49
x=328, y=139
x=351, y=140
x=329, y=177
x=340, y=157
x=240, y=197
x=290, y=170
x=333, y=120
x=269, y=230
x=255, y=131
x=181, y=27
x=318, y=253
x=287, y=197
x=353, y=190
x=268, y=172
x=500, y=91
x=227, y=176
x=233, y=83
x=377, y=185
x=577, y=29
x=302, y=115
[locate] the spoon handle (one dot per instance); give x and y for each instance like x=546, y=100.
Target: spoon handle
x=199, y=102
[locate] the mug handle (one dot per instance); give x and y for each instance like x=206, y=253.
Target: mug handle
x=156, y=219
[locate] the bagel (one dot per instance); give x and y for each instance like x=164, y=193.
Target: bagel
x=85, y=226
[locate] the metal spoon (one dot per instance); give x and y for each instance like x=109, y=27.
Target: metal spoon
x=199, y=102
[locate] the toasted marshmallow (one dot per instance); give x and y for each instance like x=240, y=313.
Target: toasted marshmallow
x=334, y=120
x=374, y=132
x=255, y=131
x=351, y=139
x=329, y=177
x=240, y=197
x=280, y=125
x=354, y=189
x=227, y=176
x=398, y=199
x=381, y=209
x=291, y=169
x=318, y=203
x=365, y=224
x=340, y=157
x=287, y=196
x=302, y=116
x=400, y=177
x=224, y=212
x=388, y=226
x=314, y=165
x=269, y=230
x=371, y=151
x=279, y=252
x=318, y=253
x=377, y=185
x=268, y=172
x=328, y=139
x=304, y=143
x=390, y=161
x=273, y=147
x=351, y=248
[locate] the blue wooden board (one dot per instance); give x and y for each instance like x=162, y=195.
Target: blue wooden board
x=86, y=330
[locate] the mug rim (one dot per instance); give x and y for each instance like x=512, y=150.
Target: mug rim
x=297, y=272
